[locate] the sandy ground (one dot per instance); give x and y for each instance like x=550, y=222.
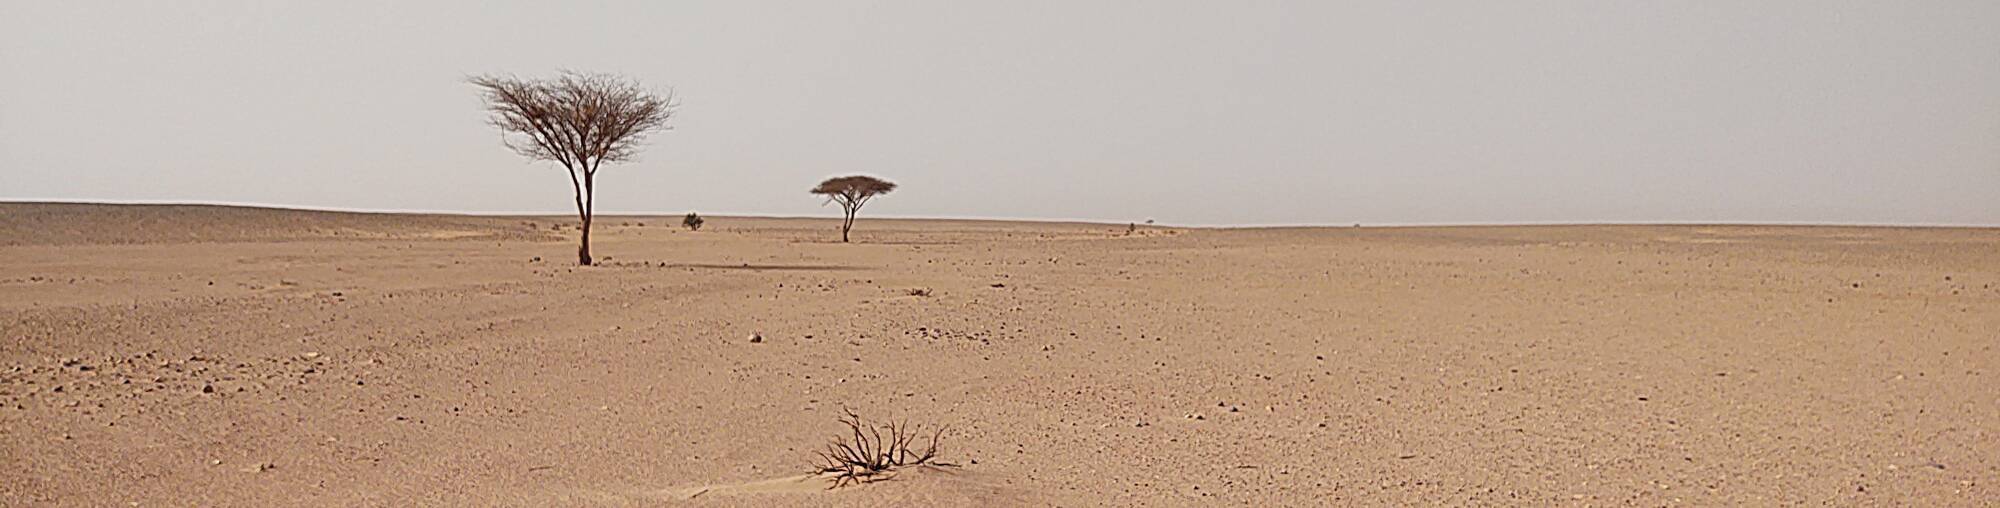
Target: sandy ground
x=180, y=356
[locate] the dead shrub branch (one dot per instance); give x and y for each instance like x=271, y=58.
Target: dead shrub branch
x=872, y=452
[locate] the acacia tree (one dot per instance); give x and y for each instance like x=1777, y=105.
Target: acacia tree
x=852, y=192
x=580, y=121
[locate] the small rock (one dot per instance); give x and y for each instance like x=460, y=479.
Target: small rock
x=756, y=338
x=260, y=467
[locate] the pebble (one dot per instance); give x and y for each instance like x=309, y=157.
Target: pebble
x=756, y=338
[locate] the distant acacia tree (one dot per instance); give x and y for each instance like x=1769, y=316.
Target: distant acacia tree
x=692, y=221
x=852, y=192
x=580, y=121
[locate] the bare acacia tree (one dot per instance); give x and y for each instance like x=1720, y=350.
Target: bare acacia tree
x=580, y=121
x=852, y=192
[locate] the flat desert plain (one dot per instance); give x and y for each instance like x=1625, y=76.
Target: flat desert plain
x=217, y=356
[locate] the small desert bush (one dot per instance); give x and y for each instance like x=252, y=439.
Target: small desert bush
x=872, y=452
x=692, y=221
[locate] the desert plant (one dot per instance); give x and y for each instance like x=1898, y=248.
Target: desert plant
x=852, y=192
x=866, y=454
x=580, y=121
x=692, y=221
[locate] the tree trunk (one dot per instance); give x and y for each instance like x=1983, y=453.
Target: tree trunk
x=583, y=252
x=846, y=223
x=583, y=215
x=586, y=201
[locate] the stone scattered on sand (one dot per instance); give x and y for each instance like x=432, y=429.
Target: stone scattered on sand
x=756, y=338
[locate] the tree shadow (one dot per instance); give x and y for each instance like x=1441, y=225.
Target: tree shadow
x=881, y=242
x=762, y=267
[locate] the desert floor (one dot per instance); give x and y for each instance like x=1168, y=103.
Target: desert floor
x=180, y=356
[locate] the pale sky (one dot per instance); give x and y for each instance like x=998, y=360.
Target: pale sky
x=1320, y=112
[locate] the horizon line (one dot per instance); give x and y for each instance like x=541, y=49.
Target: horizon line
x=755, y=215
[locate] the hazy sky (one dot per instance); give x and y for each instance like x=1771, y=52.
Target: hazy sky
x=1190, y=112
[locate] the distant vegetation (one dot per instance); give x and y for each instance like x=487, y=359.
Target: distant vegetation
x=852, y=192
x=580, y=121
x=583, y=121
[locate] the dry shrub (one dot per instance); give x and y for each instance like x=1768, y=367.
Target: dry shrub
x=873, y=452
